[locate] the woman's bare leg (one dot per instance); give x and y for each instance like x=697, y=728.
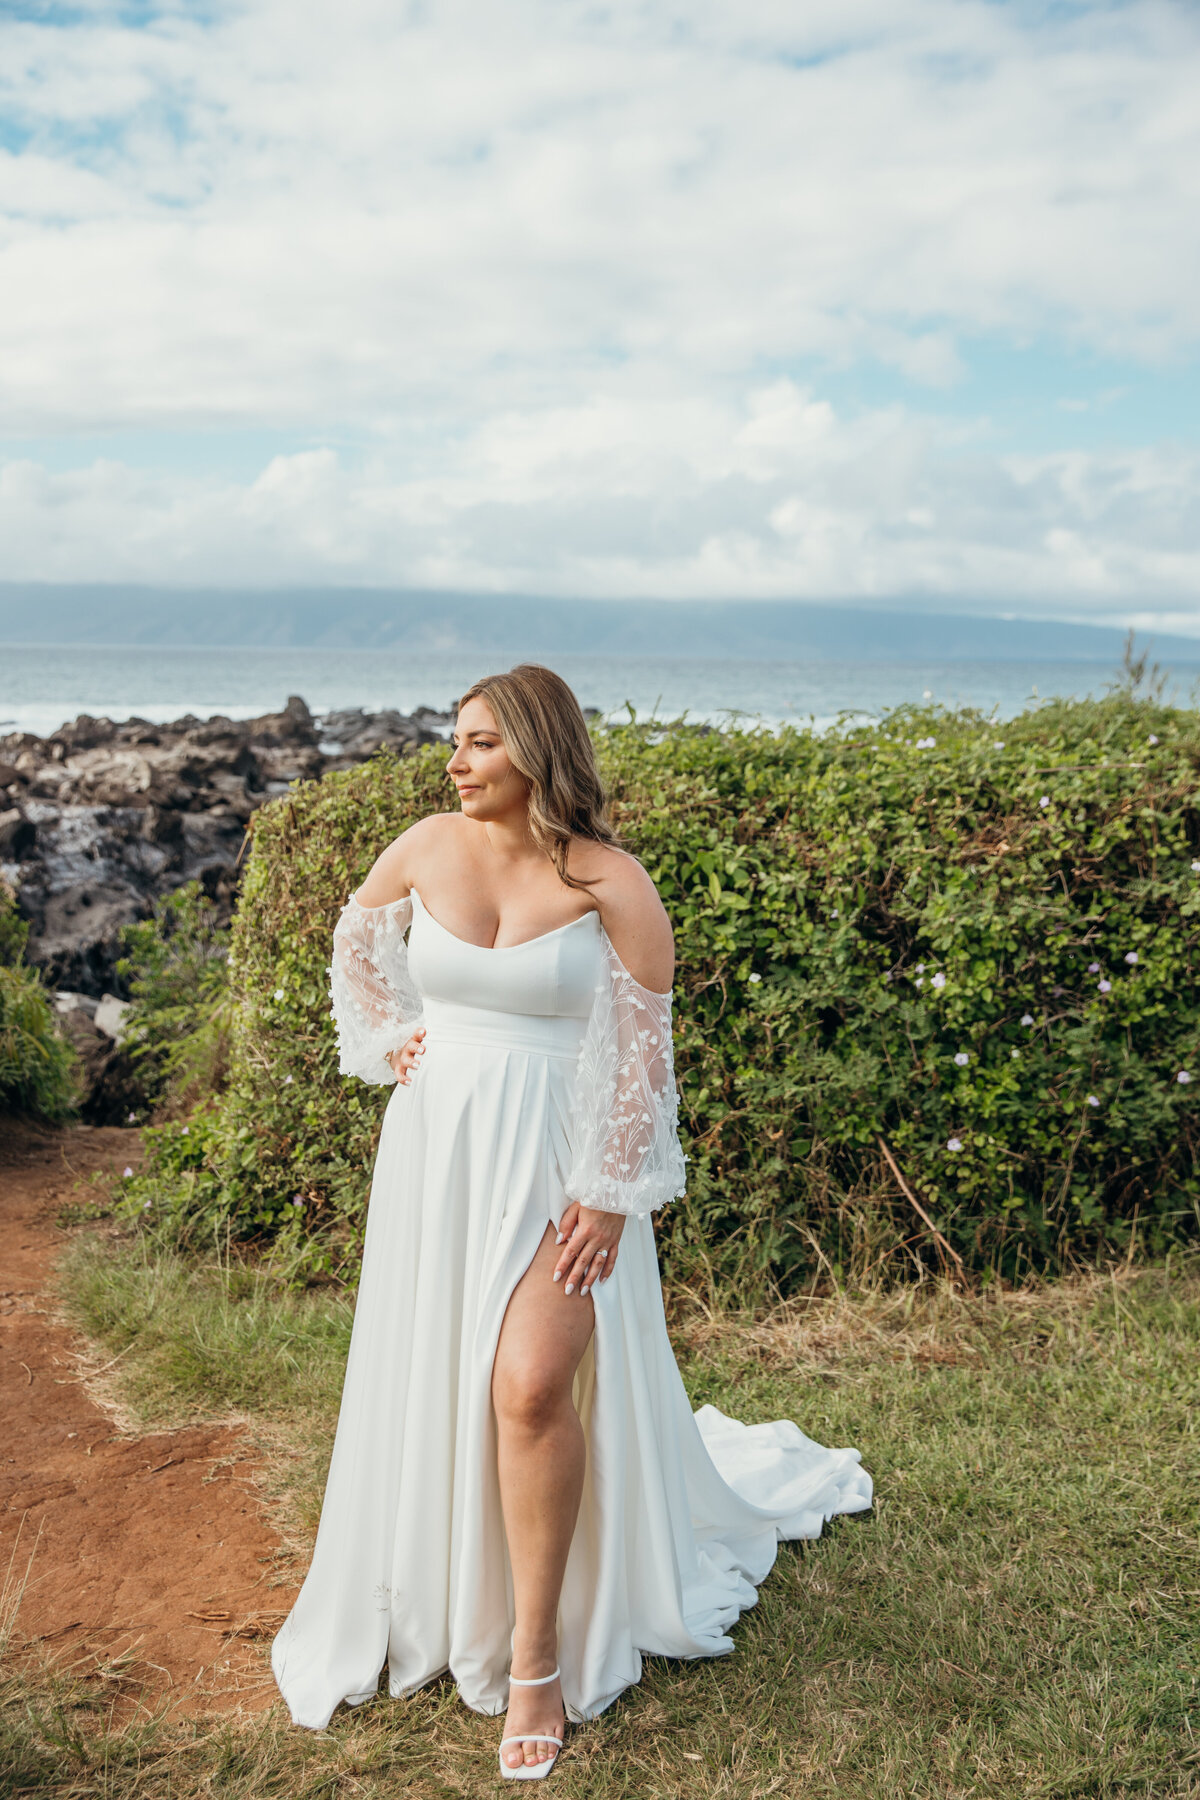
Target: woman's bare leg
x=541, y=1463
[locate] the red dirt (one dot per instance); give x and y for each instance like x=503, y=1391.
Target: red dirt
x=149, y=1558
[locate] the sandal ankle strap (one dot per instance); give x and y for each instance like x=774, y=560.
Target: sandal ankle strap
x=541, y=1681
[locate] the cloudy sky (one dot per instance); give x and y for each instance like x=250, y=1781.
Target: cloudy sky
x=816, y=298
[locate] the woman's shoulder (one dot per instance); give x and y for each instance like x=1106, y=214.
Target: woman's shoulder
x=631, y=912
x=609, y=867
x=397, y=869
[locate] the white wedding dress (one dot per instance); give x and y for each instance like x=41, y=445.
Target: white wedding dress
x=547, y=1076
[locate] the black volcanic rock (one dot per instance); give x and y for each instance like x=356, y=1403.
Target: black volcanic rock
x=99, y=820
x=109, y=1084
x=18, y=834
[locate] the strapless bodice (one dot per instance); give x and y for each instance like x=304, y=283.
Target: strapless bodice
x=533, y=997
x=553, y=976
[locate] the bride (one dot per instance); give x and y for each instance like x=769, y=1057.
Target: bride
x=519, y=1491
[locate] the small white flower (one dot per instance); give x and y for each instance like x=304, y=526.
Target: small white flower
x=187, y=1131
x=1105, y=987
x=1045, y=800
x=1152, y=739
x=1015, y=1054
x=1196, y=868
x=1093, y=968
x=920, y=981
x=127, y=1172
x=1027, y=1018
x=920, y=968
x=287, y=1081
x=1131, y=956
x=999, y=745
x=939, y=981
x=279, y=993
x=756, y=977
x=954, y=1143
x=961, y=1058
x=1183, y=1077
x=834, y=913
x=145, y=1206
x=1092, y=1100
x=132, y=1119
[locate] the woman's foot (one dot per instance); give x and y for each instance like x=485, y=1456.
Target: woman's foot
x=533, y=1709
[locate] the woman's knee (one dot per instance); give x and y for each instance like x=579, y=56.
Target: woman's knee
x=529, y=1396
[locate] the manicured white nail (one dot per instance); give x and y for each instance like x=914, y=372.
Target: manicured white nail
x=570, y=1288
x=558, y=1239
x=558, y=1275
x=583, y=1289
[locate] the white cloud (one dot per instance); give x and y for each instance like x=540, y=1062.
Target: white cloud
x=779, y=497
x=555, y=263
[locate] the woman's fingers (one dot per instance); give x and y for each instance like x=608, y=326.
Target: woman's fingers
x=587, y=1264
x=595, y=1269
x=566, y=1229
x=570, y=1237
x=405, y=1060
x=589, y=1241
x=579, y=1269
x=578, y=1251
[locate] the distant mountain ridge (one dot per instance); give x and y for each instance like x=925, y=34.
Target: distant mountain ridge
x=522, y=626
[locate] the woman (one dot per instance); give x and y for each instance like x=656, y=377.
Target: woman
x=519, y=1491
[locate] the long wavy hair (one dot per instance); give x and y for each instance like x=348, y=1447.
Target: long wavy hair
x=545, y=733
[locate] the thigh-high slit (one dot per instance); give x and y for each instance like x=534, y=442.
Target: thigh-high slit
x=680, y=1514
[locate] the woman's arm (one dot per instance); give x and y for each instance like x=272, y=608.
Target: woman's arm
x=627, y=1158
x=636, y=923
x=375, y=1007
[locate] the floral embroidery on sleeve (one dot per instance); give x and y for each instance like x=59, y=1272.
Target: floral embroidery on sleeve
x=376, y=1006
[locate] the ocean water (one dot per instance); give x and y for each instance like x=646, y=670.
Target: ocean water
x=43, y=688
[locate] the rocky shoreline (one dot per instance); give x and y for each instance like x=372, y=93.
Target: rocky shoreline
x=99, y=820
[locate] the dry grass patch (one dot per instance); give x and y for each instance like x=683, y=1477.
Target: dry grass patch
x=1017, y=1617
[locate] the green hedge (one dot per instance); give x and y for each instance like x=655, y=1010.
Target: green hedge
x=38, y=1070
x=177, y=1027
x=886, y=937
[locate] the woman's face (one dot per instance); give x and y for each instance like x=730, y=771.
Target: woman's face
x=488, y=785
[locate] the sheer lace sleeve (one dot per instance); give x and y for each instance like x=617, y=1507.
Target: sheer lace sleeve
x=627, y=1154
x=376, y=1007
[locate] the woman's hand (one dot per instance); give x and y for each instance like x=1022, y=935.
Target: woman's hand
x=406, y=1060
x=589, y=1240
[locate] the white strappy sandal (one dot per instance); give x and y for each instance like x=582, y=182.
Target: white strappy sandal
x=530, y=1771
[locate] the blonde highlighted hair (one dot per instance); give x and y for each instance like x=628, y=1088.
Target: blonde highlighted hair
x=545, y=733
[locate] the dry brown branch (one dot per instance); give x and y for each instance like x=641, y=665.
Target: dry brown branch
x=944, y=1246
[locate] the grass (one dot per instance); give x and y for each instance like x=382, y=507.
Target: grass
x=1018, y=1617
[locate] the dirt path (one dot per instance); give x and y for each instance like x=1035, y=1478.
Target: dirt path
x=148, y=1558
